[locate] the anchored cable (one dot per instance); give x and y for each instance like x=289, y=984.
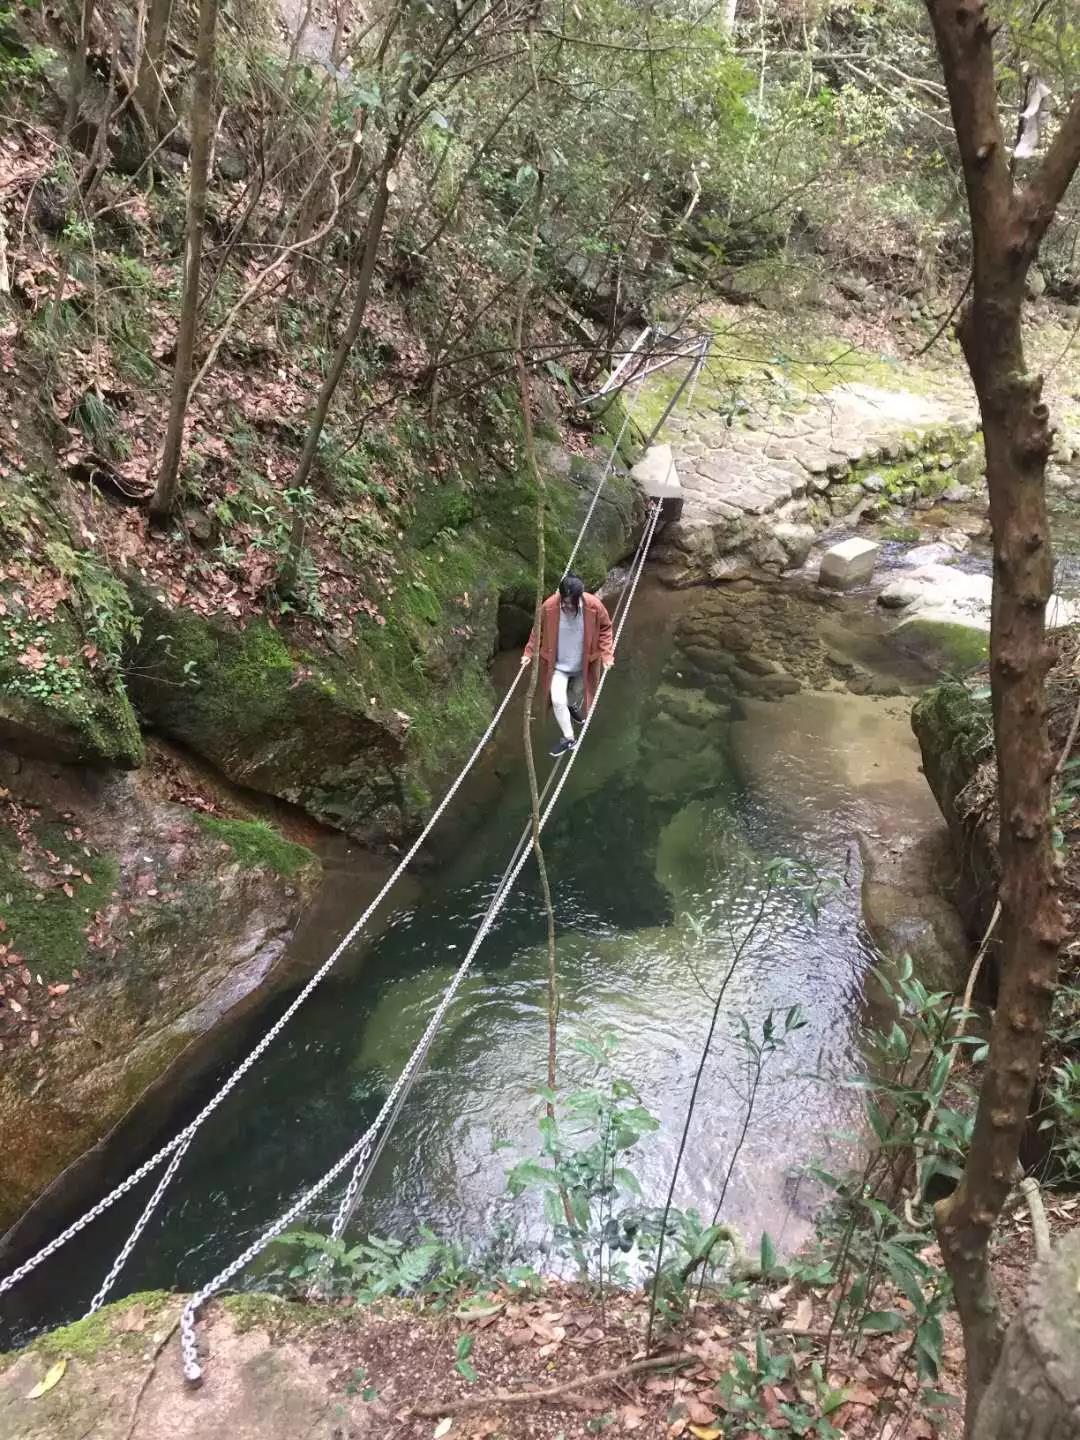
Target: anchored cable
x=359, y=1153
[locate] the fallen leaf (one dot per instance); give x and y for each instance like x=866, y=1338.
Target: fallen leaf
x=706, y=1432
x=632, y=1416
x=804, y=1314
x=549, y=1334
x=53, y=1376
x=700, y=1413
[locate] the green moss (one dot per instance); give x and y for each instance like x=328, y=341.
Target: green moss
x=257, y=845
x=60, y=708
x=46, y=926
x=959, y=649
x=902, y=533
x=86, y=1338
x=61, y=695
x=221, y=689
x=955, y=727
x=257, y=1310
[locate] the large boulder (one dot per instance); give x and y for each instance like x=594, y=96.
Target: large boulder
x=270, y=715
x=135, y=931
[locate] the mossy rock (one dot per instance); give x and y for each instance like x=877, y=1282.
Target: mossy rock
x=166, y=928
x=44, y=924
x=53, y=703
x=278, y=719
x=956, y=648
x=954, y=726
x=257, y=845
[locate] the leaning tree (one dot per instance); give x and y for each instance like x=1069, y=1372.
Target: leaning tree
x=1009, y=218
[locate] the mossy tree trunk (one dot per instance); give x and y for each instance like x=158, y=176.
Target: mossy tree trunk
x=1035, y=1390
x=1007, y=225
x=164, y=497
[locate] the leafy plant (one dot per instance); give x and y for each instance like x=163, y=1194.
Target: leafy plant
x=591, y=1198
x=747, y=1391
x=100, y=424
x=461, y=1358
x=375, y=1268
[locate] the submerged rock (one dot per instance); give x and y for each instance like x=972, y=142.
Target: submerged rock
x=908, y=911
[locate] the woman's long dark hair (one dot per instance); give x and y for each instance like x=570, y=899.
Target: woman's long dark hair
x=572, y=587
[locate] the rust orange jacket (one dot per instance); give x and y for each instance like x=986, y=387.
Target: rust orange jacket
x=599, y=642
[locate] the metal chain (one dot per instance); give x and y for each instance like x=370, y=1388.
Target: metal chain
x=179, y=1144
x=348, y=1202
x=140, y=1225
x=189, y=1349
x=152, y=1204
x=361, y=1148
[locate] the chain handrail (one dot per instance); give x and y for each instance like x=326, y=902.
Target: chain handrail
x=359, y=1151
x=178, y=1146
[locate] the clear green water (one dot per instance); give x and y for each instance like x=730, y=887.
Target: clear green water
x=646, y=920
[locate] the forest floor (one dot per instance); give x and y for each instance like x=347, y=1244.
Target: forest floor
x=278, y=1370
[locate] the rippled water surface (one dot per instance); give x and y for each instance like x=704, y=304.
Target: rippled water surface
x=648, y=914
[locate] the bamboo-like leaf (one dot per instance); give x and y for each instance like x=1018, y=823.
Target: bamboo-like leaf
x=53, y=1376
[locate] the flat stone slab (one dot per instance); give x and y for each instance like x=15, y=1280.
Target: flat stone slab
x=657, y=475
x=847, y=564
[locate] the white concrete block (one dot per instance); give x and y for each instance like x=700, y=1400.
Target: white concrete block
x=657, y=475
x=848, y=564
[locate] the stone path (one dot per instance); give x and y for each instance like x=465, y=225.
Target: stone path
x=757, y=493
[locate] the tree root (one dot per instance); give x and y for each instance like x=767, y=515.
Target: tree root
x=552, y=1392
x=1040, y=1226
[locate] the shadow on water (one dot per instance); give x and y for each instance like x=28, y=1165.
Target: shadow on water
x=646, y=918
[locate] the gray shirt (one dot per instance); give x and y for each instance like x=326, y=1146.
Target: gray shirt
x=570, y=654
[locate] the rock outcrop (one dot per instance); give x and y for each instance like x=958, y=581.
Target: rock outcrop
x=954, y=728
x=135, y=929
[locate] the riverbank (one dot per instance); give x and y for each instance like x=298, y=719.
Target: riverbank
x=272, y=1367
x=410, y=1369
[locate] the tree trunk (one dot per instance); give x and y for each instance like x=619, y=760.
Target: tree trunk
x=148, y=86
x=1007, y=228
x=164, y=497
x=286, y=582
x=1035, y=1390
x=77, y=77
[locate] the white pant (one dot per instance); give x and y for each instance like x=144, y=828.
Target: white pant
x=566, y=690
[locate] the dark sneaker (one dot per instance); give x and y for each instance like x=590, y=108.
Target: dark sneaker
x=563, y=747
x=576, y=714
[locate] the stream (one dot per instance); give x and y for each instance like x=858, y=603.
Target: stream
x=648, y=914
